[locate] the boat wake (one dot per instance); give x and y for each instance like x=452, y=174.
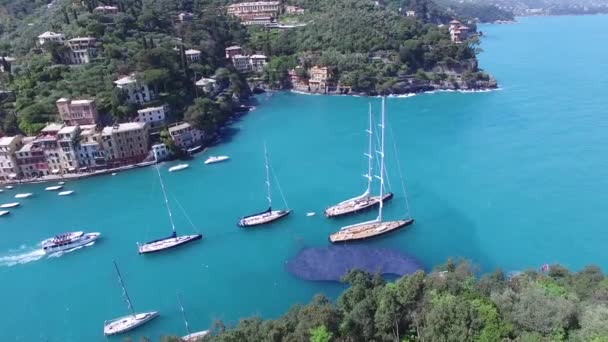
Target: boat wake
x=25, y=255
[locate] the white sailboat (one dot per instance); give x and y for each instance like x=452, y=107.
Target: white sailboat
x=267, y=215
x=365, y=200
x=172, y=240
x=129, y=322
x=377, y=227
x=191, y=336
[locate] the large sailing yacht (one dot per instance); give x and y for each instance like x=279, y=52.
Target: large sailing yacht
x=129, y=322
x=268, y=215
x=377, y=227
x=172, y=240
x=191, y=336
x=364, y=201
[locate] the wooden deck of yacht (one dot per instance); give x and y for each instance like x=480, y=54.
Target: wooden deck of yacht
x=354, y=206
x=368, y=231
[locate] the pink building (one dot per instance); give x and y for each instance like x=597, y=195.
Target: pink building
x=77, y=112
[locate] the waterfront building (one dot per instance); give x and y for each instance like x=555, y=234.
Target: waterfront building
x=154, y=116
x=31, y=159
x=185, y=16
x=241, y=63
x=232, y=51
x=125, y=143
x=9, y=169
x=137, y=92
x=259, y=12
x=160, y=152
x=77, y=112
x=207, y=85
x=319, y=79
x=458, y=32
x=258, y=62
x=106, y=9
x=184, y=135
x=83, y=49
x=68, y=137
x=193, y=55
x=294, y=10
x=410, y=13
x=49, y=36
x=5, y=63
x=47, y=140
x=89, y=151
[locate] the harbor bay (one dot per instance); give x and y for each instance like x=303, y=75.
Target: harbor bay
x=512, y=178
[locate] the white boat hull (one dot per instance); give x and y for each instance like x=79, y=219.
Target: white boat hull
x=9, y=205
x=53, y=188
x=4, y=212
x=263, y=218
x=178, y=167
x=195, y=337
x=66, y=193
x=213, y=160
x=127, y=323
x=85, y=240
x=26, y=195
x=168, y=243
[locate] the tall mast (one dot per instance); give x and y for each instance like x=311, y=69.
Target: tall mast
x=162, y=186
x=125, y=294
x=369, y=153
x=268, y=195
x=381, y=162
x=181, y=307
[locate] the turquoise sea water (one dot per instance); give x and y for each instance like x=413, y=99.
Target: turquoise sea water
x=513, y=178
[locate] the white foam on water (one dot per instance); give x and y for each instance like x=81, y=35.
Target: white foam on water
x=21, y=257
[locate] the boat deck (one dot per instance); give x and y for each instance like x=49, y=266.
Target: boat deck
x=168, y=243
x=127, y=323
x=354, y=206
x=263, y=218
x=368, y=231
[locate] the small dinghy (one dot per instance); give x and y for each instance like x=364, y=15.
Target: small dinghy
x=25, y=195
x=65, y=193
x=61, y=183
x=113, y=173
x=216, y=159
x=9, y=205
x=53, y=188
x=4, y=212
x=310, y=214
x=178, y=167
x=9, y=187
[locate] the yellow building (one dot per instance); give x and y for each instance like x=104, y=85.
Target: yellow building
x=125, y=143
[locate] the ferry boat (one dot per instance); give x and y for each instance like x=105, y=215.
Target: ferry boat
x=216, y=159
x=4, y=212
x=66, y=193
x=268, y=215
x=66, y=241
x=128, y=322
x=9, y=205
x=178, y=167
x=365, y=200
x=53, y=188
x=24, y=195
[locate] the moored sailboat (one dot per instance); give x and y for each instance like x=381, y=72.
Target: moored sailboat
x=172, y=240
x=365, y=200
x=377, y=227
x=268, y=215
x=191, y=336
x=129, y=322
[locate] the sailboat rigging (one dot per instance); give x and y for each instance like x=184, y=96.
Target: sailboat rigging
x=268, y=215
x=129, y=322
x=190, y=337
x=365, y=200
x=377, y=227
x=171, y=241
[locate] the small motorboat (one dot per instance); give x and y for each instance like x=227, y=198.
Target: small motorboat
x=4, y=212
x=1, y=191
x=24, y=195
x=216, y=159
x=66, y=193
x=194, y=149
x=9, y=205
x=8, y=187
x=53, y=188
x=113, y=173
x=61, y=183
x=178, y=167
x=310, y=214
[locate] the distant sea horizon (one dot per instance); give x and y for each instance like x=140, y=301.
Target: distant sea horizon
x=510, y=179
